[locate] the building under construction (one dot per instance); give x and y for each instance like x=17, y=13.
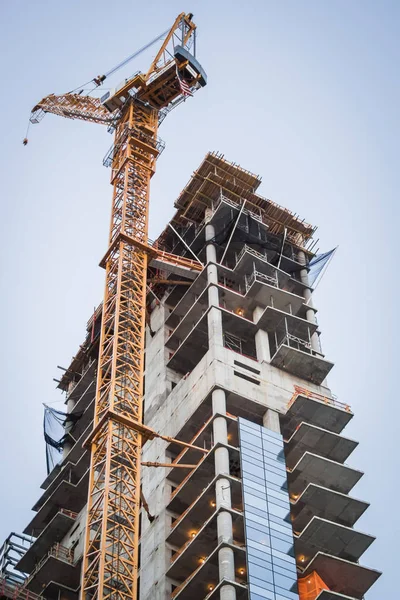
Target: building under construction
x=201, y=453
x=258, y=503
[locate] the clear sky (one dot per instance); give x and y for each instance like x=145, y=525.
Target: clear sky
x=302, y=92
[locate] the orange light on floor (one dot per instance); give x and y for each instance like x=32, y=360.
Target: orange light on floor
x=310, y=587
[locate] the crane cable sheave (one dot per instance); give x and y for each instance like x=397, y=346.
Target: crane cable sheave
x=160, y=86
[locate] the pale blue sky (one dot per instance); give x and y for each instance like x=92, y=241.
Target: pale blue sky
x=304, y=93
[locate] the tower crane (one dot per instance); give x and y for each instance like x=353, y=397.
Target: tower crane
x=133, y=110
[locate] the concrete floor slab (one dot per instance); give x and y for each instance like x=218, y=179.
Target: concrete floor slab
x=57, y=570
x=317, y=501
x=67, y=495
x=260, y=292
x=301, y=364
x=201, y=510
x=319, y=441
x=199, y=545
x=87, y=377
x=332, y=538
x=342, y=576
x=52, y=533
x=273, y=320
x=241, y=590
x=329, y=595
x=71, y=472
x=321, y=471
x=198, y=479
x=188, y=320
x=197, y=586
x=191, y=349
x=250, y=259
x=326, y=413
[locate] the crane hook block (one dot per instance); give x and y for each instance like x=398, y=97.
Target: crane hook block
x=99, y=79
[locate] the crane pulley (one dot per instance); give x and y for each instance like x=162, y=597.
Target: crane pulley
x=134, y=110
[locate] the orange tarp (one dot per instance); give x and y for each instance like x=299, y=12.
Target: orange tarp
x=311, y=586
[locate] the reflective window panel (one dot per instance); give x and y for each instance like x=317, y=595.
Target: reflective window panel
x=271, y=565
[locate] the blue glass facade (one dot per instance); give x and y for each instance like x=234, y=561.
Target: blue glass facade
x=271, y=565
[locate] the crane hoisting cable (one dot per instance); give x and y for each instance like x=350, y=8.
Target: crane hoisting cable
x=101, y=78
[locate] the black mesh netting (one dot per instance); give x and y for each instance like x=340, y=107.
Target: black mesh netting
x=54, y=433
x=248, y=231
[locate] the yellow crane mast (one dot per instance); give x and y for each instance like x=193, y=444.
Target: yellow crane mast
x=134, y=109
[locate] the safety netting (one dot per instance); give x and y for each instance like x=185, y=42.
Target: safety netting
x=317, y=264
x=54, y=422
x=311, y=586
x=247, y=231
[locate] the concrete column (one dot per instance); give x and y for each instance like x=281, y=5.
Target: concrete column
x=224, y=524
x=227, y=592
x=310, y=314
x=70, y=405
x=271, y=420
x=214, y=317
x=223, y=493
x=220, y=431
x=226, y=562
x=211, y=252
x=66, y=448
x=261, y=338
x=221, y=461
x=226, y=566
x=67, y=428
x=212, y=275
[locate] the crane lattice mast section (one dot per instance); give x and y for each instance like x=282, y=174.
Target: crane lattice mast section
x=110, y=562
